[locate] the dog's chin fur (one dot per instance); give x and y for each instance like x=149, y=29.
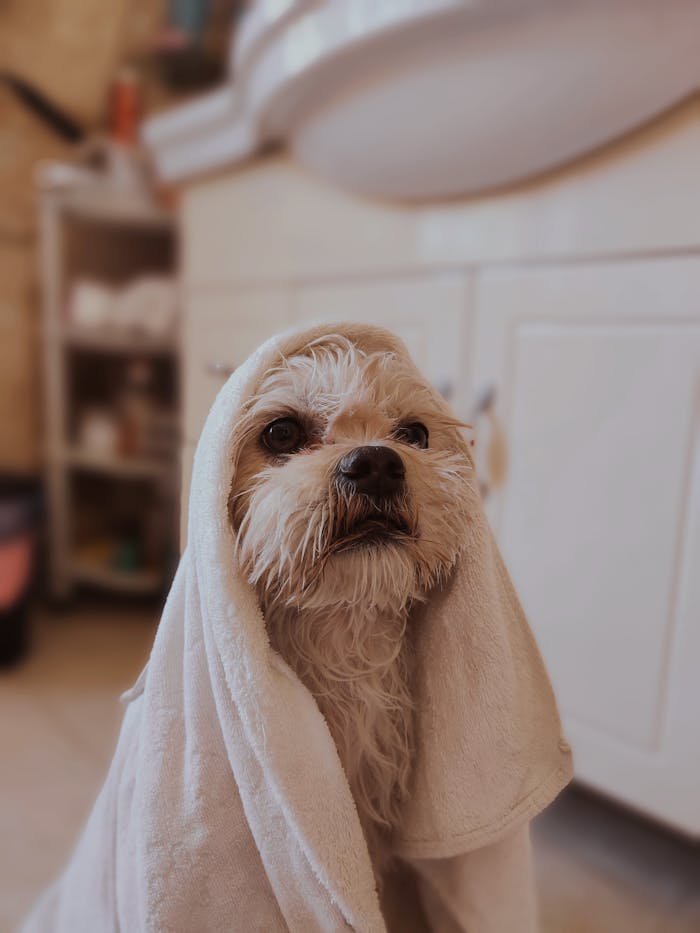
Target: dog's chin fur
x=337, y=574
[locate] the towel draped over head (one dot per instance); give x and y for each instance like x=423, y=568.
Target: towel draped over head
x=226, y=806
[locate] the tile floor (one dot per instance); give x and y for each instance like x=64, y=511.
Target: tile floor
x=599, y=869
x=59, y=718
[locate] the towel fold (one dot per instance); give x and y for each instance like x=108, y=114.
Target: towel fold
x=226, y=806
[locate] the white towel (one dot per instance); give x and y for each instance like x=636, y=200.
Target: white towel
x=226, y=807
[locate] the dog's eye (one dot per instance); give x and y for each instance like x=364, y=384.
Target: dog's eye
x=414, y=433
x=283, y=436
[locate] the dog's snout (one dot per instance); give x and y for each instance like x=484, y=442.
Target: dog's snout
x=374, y=471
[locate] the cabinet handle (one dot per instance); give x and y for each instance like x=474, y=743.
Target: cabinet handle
x=496, y=455
x=219, y=369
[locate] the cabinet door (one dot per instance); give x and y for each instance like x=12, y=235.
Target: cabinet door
x=222, y=328
x=432, y=314
x=597, y=377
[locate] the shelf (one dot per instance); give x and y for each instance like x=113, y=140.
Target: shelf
x=102, y=205
x=107, y=512
x=130, y=467
x=136, y=582
x=115, y=341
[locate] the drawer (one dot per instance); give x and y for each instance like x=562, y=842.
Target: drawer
x=222, y=328
x=432, y=314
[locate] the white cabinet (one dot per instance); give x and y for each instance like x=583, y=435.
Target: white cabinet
x=222, y=328
x=431, y=313
x=223, y=325
x=595, y=357
x=597, y=377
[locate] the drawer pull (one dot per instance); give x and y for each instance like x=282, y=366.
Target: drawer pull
x=496, y=454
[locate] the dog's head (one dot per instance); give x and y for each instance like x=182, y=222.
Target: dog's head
x=351, y=483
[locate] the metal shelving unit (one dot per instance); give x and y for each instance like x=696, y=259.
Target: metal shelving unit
x=149, y=467
x=94, y=233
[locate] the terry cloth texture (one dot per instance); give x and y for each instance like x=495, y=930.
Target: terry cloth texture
x=226, y=807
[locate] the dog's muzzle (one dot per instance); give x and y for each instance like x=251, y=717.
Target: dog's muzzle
x=372, y=484
x=376, y=472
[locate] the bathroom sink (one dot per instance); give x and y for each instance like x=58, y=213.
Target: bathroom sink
x=427, y=99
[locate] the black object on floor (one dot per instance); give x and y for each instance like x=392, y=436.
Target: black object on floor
x=20, y=508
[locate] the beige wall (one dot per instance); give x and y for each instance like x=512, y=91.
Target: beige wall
x=19, y=394
x=23, y=140
x=69, y=50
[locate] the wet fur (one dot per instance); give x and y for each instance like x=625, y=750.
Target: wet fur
x=338, y=605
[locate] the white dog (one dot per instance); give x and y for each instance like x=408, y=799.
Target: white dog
x=349, y=506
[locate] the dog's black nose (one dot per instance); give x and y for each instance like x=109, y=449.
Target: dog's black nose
x=375, y=471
